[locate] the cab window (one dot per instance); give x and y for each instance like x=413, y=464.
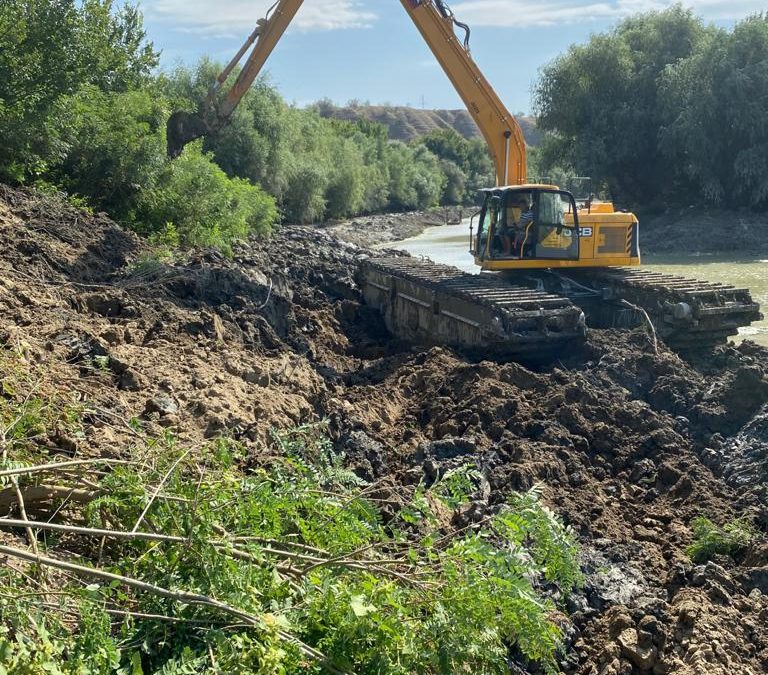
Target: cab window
x=555, y=238
x=488, y=224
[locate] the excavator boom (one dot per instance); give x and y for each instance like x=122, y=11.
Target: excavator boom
x=500, y=129
x=437, y=25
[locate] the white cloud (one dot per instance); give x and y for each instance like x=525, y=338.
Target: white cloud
x=235, y=18
x=522, y=13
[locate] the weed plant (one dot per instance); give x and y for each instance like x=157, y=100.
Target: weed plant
x=287, y=567
x=711, y=539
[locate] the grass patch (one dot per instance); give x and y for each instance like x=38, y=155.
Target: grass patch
x=31, y=410
x=181, y=561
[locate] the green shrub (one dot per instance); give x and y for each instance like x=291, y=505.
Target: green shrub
x=199, y=205
x=454, y=191
x=661, y=110
x=465, y=162
x=116, y=158
x=116, y=148
x=81, y=111
x=50, y=49
x=711, y=539
x=304, y=198
x=723, y=86
x=415, y=179
x=345, y=190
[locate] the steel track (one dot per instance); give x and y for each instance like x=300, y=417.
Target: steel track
x=439, y=304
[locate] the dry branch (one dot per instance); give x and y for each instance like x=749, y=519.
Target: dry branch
x=56, y=466
x=93, y=532
x=36, y=494
x=23, y=510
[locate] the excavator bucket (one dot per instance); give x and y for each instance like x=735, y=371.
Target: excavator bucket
x=182, y=128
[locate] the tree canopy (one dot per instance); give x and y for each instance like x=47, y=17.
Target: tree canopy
x=50, y=50
x=663, y=109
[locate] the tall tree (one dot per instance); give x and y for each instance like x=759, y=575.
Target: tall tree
x=600, y=99
x=715, y=104
x=49, y=49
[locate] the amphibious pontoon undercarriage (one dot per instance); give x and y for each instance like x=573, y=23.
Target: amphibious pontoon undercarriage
x=537, y=313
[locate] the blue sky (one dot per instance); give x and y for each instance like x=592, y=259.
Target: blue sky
x=369, y=49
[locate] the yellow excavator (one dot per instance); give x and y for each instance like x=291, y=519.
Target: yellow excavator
x=558, y=263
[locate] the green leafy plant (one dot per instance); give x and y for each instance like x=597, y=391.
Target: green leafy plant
x=30, y=411
x=193, y=202
x=711, y=539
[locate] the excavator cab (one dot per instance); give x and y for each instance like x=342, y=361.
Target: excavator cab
x=538, y=226
x=527, y=223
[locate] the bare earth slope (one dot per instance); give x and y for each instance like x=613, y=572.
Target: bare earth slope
x=629, y=445
x=712, y=231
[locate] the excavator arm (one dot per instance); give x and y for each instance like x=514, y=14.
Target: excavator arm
x=436, y=23
x=184, y=127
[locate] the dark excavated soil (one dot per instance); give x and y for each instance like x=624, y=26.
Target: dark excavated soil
x=629, y=445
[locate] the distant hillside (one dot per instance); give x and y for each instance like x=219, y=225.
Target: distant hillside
x=405, y=124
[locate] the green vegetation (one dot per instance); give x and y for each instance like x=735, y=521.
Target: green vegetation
x=83, y=110
x=711, y=539
x=465, y=163
x=171, y=558
x=662, y=110
x=48, y=52
x=321, y=167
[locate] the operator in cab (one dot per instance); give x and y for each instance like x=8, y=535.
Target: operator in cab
x=515, y=233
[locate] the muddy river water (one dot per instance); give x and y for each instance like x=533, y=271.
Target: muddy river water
x=449, y=244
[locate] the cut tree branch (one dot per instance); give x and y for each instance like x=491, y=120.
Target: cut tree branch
x=178, y=596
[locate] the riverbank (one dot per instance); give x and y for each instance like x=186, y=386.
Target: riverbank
x=705, y=232
x=380, y=229
x=627, y=444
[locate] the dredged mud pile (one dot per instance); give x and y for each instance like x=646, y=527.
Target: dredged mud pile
x=629, y=445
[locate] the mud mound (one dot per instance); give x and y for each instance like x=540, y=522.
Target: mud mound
x=628, y=445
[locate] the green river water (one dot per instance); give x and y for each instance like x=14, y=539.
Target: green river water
x=449, y=244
